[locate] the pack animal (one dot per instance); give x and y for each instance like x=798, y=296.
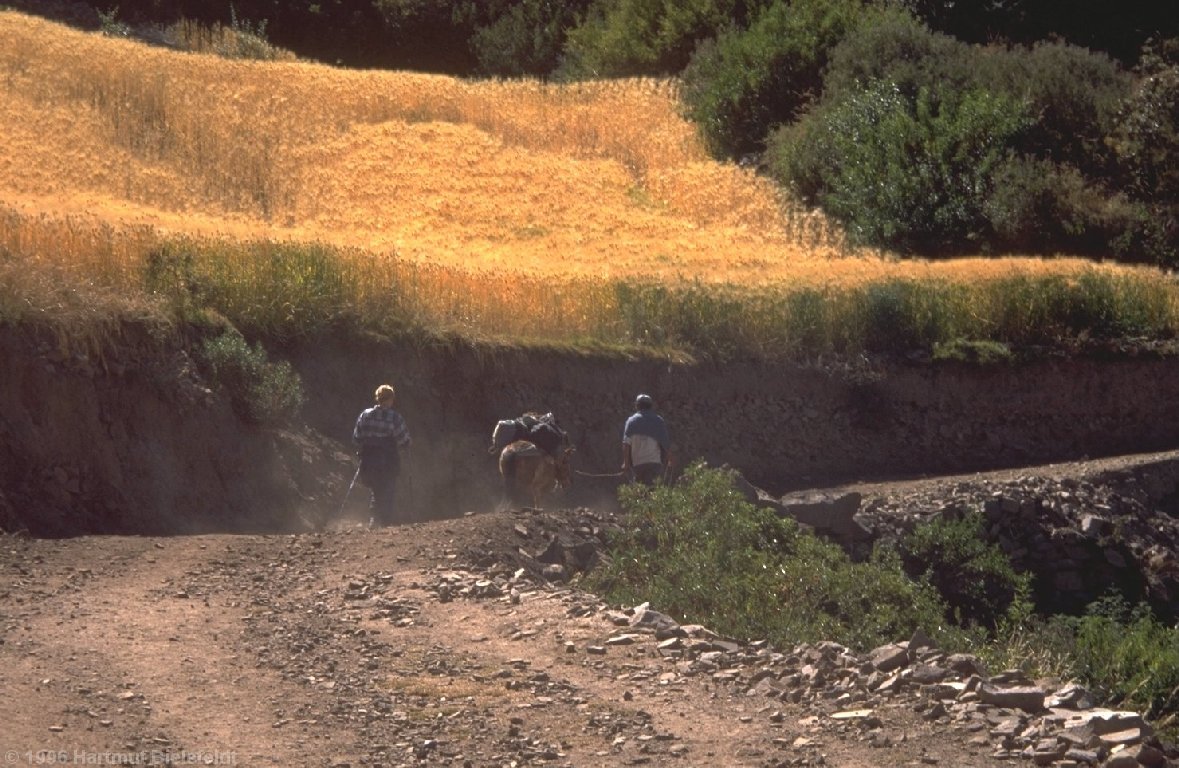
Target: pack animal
x=529, y=472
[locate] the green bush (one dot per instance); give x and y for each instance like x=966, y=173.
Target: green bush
x=1146, y=145
x=1130, y=659
x=892, y=46
x=1073, y=93
x=972, y=575
x=644, y=37
x=900, y=172
x=1036, y=205
x=740, y=85
x=698, y=551
x=926, y=145
x=261, y=391
x=527, y=38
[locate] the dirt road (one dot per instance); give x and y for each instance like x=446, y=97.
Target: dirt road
x=418, y=645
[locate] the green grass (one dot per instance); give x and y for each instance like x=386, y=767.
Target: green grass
x=1124, y=655
x=281, y=291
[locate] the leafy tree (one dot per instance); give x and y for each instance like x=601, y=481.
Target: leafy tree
x=909, y=173
x=751, y=79
x=527, y=38
x=1146, y=144
x=647, y=37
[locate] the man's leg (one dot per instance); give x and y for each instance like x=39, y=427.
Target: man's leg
x=383, y=502
x=647, y=474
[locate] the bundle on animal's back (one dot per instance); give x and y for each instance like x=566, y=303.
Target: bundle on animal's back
x=542, y=430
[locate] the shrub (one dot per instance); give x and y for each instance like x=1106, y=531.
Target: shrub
x=927, y=145
x=1073, y=93
x=110, y=25
x=972, y=575
x=644, y=37
x=1123, y=655
x=1130, y=659
x=903, y=173
x=698, y=551
x=261, y=391
x=526, y=39
x=739, y=86
x=1146, y=145
x=892, y=46
x=1036, y=205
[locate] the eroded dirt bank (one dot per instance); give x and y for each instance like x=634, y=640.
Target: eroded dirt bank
x=135, y=441
x=784, y=426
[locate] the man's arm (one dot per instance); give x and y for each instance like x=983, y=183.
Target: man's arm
x=401, y=433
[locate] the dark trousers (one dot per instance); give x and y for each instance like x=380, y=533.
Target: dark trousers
x=383, y=501
x=647, y=474
x=379, y=468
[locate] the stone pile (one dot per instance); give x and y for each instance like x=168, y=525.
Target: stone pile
x=1005, y=715
x=1079, y=538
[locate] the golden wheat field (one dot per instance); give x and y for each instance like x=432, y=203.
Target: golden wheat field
x=599, y=180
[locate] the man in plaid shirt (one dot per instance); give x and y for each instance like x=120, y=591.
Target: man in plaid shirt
x=381, y=435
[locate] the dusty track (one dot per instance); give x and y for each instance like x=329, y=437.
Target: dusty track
x=345, y=648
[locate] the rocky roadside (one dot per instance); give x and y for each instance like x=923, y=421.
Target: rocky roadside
x=1078, y=528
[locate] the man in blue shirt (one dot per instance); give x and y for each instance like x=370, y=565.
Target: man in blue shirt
x=646, y=446
x=381, y=435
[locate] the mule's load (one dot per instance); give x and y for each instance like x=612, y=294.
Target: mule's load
x=534, y=456
x=539, y=429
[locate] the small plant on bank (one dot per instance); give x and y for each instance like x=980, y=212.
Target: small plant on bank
x=1124, y=655
x=261, y=391
x=701, y=553
x=1130, y=659
x=972, y=351
x=110, y=25
x=972, y=575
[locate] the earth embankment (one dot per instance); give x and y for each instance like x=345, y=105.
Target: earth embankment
x=133, y=440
